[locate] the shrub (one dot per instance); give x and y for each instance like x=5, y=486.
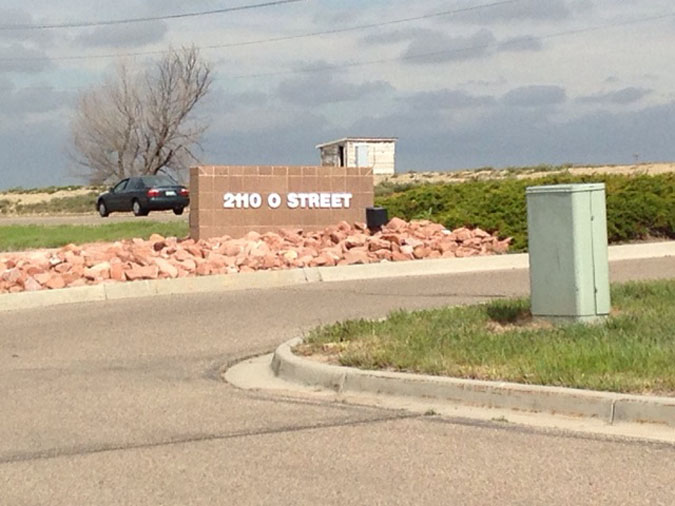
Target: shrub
x=638, y=206
x=5, y=206
x=63, y=205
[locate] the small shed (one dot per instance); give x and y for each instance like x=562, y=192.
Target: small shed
x=376, y=152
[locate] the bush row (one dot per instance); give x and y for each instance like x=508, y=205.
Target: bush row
x=638, y=206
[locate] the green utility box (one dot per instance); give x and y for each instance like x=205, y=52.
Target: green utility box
x=567, y=236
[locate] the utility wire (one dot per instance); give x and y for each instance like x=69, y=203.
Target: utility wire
x=84, y=24
x=448, y=52
x=274, y=39
x=364, y=63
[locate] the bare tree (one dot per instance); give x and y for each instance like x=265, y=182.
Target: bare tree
x=142, y=122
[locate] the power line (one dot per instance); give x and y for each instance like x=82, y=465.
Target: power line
x=275, y=39
x=84, y=24
x=446, y=52
x=364, y=63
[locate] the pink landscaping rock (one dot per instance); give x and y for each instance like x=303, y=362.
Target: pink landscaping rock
x=116, y=271
x=230, y=248
x=396, y=224
x=354, y=256
x=98, y=272
x=408, y=250
x=203, y=269
x=31, y=285
x=356, y=240
x=252, y=236
x=462, y=234
x=137, y=272
x=166, y=268
x=55, y=282
x=195, y=250
x=160, y=257
x=13, y=277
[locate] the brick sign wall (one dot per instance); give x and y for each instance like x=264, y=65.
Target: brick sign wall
x=233, y=200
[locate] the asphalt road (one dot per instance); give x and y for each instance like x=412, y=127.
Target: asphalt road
x=91, y=219
x=121, y=403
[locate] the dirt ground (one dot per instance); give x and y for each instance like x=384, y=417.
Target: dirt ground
x=34, y=198
x=480, y=174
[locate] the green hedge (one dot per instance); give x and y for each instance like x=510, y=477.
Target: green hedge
x=638, y=206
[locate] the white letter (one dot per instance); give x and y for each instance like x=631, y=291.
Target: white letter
x=274, y=200
x=313, y=200
x=255, y=200
x=303, y=200
x=324, y=199
x=292, y=201
x=336, y=200
x=348, y=199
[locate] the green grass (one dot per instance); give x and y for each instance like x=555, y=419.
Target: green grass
x=633, y=351
x=22, y=237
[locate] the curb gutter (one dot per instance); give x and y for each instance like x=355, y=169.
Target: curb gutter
x=607, y=406
x=291, y=277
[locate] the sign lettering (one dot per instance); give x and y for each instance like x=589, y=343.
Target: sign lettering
x=316, y=200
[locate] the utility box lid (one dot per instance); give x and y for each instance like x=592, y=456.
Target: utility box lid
x=565, y=188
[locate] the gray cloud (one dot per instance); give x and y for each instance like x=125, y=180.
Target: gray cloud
x=441, y=48
x=131, y=35
x=535, y=96
x=523, y=10
x=291, y=143
x=394, y=36
x=324, y=88
x=16, y=103
x=623, y=96
x=223, y=101
x=447, y=99
x=21, y=17
x=21, y=59
x=521, y=44
x=33, y=154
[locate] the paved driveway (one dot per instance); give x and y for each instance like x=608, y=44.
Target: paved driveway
x=122, y=403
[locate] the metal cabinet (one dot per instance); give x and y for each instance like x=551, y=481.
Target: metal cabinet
x=567, y=236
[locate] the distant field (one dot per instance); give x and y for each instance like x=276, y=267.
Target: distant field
x=73, y=199
x=22, y=237
x=54, y=200
x=384, y=184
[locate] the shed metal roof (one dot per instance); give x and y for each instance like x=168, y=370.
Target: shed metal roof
x=357, y=139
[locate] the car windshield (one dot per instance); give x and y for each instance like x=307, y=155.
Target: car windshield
x=161, y=180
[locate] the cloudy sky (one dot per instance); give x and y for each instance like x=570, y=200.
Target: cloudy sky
x=468, y=83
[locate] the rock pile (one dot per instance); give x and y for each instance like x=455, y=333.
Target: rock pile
x=169, y=257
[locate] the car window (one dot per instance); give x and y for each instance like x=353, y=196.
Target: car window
x=136, y=184
x=160, y=180
x=120, y=186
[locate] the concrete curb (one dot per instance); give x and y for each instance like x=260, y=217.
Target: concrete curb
x=291, y=277
x=607, y=406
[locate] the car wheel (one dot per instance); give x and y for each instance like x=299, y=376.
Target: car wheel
x=102, y=209
x=138, y=209
x=178, y=211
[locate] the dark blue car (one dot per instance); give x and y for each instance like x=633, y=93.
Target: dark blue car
x=143, y=194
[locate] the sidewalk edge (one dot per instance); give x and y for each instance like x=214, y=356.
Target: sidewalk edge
x=607, y=406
